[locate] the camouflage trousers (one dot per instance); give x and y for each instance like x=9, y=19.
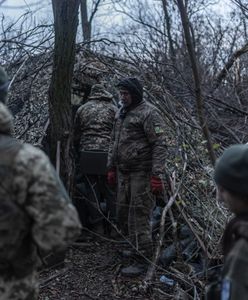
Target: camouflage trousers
x=25, y=288
x=135, y=204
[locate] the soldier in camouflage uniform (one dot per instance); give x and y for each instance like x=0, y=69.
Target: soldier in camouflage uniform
x=34, y=204
x=136, y=162
x=231, y=177
x=93, y=127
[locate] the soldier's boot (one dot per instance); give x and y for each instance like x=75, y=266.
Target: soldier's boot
x=140, y=266
x=136, y=269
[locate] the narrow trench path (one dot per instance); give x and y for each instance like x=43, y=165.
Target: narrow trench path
x=91, y=270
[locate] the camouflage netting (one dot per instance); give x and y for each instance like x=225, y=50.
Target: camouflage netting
x=196, y=205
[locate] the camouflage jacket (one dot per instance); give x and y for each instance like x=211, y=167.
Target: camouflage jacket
x=232, y=283
x=235, y=281
x=93, y=125
x=139, y=141
x=30, y=181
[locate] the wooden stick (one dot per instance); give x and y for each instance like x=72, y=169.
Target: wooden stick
x=193, y=231
x=58, y=157
x=152, y=266
x=174, y=192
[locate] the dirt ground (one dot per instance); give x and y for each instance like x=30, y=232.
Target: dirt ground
x=91, y=270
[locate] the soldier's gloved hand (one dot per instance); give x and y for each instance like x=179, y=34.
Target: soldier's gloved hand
x=157, y=185
x=111, y=175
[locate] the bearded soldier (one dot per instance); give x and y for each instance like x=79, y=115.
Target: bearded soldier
x=136, y=163
x=35, y=210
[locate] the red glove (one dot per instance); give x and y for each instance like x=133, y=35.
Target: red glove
x=157, y=185
x=111, y=175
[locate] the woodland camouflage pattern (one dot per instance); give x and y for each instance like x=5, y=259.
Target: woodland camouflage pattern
x=235, y=279
x=137, y=151
x=32, y=182
x=139, y=141
x=94, y=121
x=235, y=246
x=232, y=283
x=135, y=203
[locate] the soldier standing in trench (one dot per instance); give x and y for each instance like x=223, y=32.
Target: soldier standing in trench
x=92, y=129
x=35, y=210
x=136, y=163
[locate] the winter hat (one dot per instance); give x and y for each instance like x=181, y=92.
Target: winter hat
x=134, y=87
x=231, y=170
x=4, y=84
x=98, y=92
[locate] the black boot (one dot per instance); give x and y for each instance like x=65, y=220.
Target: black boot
x=134, y=270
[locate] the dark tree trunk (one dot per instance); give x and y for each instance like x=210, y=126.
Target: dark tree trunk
x=65, y=25
x=87, y=20
x=86, y=24
x=168, y=29
x=197, y=79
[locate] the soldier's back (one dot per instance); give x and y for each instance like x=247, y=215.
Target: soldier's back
x=35, y=212
x=96, y=119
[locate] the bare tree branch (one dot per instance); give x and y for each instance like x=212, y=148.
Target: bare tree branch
x=221, y=76
x=196, y=74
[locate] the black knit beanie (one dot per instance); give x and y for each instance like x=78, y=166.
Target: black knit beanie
x=134, y=87
x=231, y=170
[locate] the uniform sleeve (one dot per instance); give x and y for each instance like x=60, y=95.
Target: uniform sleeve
x=234, y=278
x=111, y=154
x=111, y=164
x=55, y=219
x=77, y=133
x=154, y=127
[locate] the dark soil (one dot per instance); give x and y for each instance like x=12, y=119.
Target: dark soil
x=91, y=270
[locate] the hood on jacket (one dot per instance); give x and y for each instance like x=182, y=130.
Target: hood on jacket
x=98, y=92
x=6, y=120
x=134, y=87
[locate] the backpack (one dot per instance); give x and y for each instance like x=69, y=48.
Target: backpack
x=13, y=219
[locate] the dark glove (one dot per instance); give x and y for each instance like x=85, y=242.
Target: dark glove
x=157, y=185
x=111, y=175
